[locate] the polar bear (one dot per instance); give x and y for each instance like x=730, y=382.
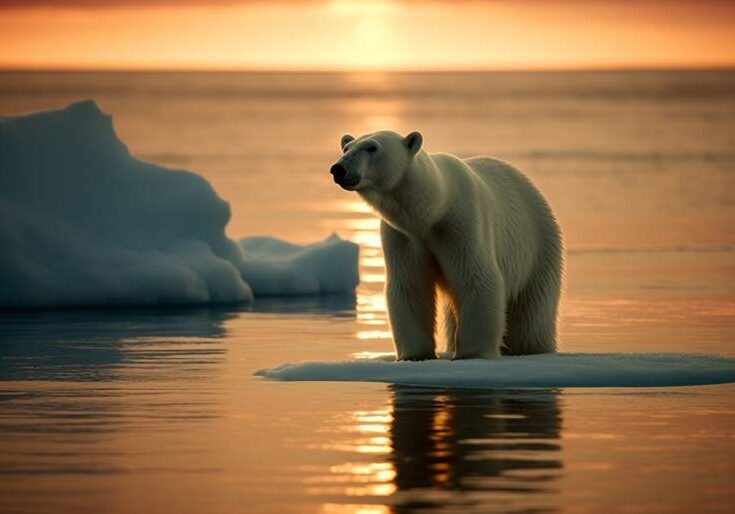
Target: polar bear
x=472, y=238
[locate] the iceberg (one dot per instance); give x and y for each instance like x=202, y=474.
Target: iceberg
x=84, y=223
x=277, y=268
x=519, y=372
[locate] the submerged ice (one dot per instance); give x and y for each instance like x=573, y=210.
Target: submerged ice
x=82, y=222
x=549, y=370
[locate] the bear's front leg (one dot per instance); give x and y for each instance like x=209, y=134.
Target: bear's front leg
x=410, y=291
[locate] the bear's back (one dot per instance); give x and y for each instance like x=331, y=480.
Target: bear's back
x=523, y=220
x=510, y=186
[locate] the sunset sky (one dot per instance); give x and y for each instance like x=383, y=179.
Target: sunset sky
x=365, y=34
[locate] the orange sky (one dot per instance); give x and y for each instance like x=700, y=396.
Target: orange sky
x=365, y=34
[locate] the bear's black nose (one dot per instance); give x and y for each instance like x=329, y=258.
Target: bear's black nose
x=338, y=172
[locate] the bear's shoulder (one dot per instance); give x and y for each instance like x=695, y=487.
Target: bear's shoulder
x=476, y=163
x=493, y=168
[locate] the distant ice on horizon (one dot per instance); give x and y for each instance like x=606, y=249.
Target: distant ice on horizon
x=531, y=371
x=83, y=223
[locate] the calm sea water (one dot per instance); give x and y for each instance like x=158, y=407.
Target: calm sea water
x=157, y=410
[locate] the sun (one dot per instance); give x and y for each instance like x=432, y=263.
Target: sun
x=371, y=32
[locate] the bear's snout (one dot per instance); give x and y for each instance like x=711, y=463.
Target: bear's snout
x=338, y=172
x=343, y=177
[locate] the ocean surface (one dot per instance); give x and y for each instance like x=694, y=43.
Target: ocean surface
x=157, y=410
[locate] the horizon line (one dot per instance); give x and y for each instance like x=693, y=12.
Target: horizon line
x=325, y=70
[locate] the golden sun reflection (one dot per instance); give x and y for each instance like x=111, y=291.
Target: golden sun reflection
x=352, y=206
x=366, y=470
x=372, y=262
x=374, y=278
x=372, y=223
x=367, y=238
x=376, y=428
x=371, y=313
x=374, y=334
x=373, y=252
x=371, y=490
x=374, y=355
x=367, y=478
x=373, y=445
x=340, y=508
x=373, y=302
x=375, y=321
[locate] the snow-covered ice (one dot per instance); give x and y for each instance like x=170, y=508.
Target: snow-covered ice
x=278, y=268
x=82, y=222
x=549, y=370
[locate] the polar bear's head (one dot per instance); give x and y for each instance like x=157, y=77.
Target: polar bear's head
x=375, y=161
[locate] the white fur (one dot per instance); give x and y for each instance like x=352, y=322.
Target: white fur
x=471, y=236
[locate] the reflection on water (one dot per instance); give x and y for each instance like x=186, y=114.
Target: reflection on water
x=343, y=305
x=73, y=381
x=496, y=447
x=92, y=345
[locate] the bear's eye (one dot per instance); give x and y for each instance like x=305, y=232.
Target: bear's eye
x=371, y=148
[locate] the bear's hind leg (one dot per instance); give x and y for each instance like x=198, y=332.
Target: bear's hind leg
x=481, y=322
x=531, y=316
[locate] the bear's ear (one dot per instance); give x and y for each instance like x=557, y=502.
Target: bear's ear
x=413, y=142
x=346, y=139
